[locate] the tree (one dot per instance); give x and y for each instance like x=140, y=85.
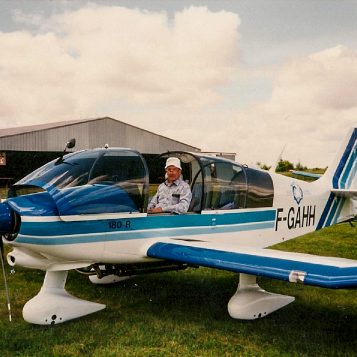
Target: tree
x=263, y=166
x=300, y=167
x=284, y=165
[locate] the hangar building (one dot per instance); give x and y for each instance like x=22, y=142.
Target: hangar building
x=22, y=149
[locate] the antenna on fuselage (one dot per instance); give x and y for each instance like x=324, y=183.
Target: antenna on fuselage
x=274, y=167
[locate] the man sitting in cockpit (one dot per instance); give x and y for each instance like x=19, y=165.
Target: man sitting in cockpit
x=173, y=195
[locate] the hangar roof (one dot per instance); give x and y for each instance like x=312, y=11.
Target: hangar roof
x=31, y=128
x=89, y=133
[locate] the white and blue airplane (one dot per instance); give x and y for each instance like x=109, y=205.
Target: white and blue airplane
x=87, y=211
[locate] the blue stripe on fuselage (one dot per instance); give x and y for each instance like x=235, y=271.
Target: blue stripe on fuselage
x=325, y=212
x=146, y=234
x=336, y=206
x=60, y=232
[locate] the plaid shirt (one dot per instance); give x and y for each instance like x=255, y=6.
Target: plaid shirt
x=172, y=197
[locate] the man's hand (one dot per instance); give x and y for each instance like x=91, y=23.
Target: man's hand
x=155, y=210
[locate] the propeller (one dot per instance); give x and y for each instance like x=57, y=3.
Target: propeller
x=8, y=226
x=5, y=280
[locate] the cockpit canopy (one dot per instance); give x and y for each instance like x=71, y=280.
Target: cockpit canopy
x=220, y=184
x=94, y=181
x=117, y=180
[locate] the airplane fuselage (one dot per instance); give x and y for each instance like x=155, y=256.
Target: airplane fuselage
x=125, y=237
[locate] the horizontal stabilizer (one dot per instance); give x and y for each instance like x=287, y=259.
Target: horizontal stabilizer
x=306, y=174
x=348, y=193
x=308, y=269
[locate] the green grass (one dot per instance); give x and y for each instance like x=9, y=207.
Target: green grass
x=185, y=314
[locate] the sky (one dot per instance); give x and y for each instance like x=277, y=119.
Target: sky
x=254, y=77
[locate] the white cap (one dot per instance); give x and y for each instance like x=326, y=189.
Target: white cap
x=173, y=161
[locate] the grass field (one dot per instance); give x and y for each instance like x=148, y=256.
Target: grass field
x=185, y=314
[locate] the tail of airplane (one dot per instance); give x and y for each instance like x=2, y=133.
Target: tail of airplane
x=341, y=177
x=343, y=170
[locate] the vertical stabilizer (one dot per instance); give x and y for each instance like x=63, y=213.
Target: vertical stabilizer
x=342, y=172
x=341, y=177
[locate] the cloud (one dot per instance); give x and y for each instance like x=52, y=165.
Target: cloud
x=79, y=62
x=326, y=80
x=28, y=19
x=313, y=103
x=170, y=75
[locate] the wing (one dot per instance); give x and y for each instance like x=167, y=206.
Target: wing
x=308, y=269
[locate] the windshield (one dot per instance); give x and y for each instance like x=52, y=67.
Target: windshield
x=72, y=170
x=94, y=181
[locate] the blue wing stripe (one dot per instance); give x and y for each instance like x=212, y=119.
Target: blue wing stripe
x=327, y=276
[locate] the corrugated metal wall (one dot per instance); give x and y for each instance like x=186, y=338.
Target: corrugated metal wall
x=91, y=134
